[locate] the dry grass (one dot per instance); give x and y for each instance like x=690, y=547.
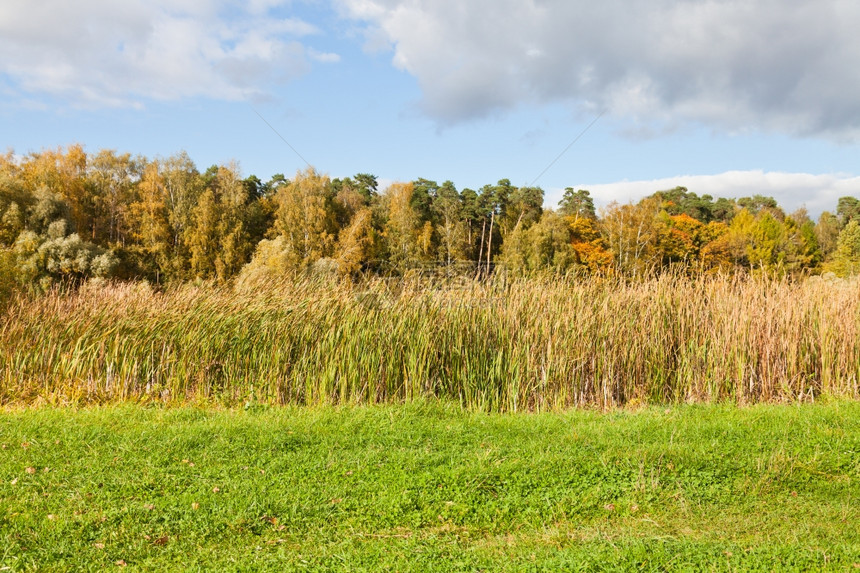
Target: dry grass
x=499, y=345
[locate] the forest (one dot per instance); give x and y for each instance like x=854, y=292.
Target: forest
x=67, y=215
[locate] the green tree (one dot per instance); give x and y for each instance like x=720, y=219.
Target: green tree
x=577, y=203
x=423, y=194
x=827, y=232
x=804, y=252
x=759, y=203
x=59, y=256
x=848, y=209
x=543, y=247
x=846, y=258
x=525, y=206
x=493, y=202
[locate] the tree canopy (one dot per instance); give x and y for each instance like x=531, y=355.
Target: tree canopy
x=66, y=215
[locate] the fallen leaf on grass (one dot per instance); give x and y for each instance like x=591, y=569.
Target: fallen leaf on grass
x=14, y=481
x=609, y=507
x=121, y=562
x=99, y=545
x=195, y=506
x=25, y=445
x=149, y=507
x=30, y=471
x=161, y=540
x=634, y=508
x=337, y=500
x=216, y=489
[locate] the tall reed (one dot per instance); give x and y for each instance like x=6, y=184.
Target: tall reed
x=494, y=345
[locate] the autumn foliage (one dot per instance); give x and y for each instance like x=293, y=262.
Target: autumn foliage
x=67, y=215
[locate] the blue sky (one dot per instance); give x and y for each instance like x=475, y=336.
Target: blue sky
x=725, y=97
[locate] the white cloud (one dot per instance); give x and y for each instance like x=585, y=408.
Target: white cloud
x=789, y=66
x=117, y=53
x=817, y=193
x=324, y=57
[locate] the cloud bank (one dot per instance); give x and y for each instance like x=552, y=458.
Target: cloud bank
x=117, y=53
x=817, y=193
x=786, y=66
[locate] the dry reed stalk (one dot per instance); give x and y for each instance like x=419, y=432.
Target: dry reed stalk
x=492, y=345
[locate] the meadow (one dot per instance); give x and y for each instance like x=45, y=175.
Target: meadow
x=428, y=487
x=496, y=345
x=418, y=425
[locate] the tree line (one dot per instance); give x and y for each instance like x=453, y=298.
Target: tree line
x=66, y=215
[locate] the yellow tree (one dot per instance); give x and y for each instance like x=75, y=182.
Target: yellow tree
x=305, y=219
x=149, y=220
x=63, y=172
x=589, y=246
x=715, y=253
x=14, y=200
x=218, y=239
x=202, y=236
x=111, y=181
x=183, y=187
x=357, y=243
x=631, y=232
x=408, y=240
x=677, y=238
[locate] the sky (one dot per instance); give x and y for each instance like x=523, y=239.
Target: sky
x=622, y=97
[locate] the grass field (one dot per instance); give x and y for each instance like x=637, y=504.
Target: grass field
x=426, y=486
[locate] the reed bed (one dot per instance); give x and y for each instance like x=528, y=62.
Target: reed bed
x=499, y=345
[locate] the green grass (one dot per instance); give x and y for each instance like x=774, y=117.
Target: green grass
x=427, y=486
